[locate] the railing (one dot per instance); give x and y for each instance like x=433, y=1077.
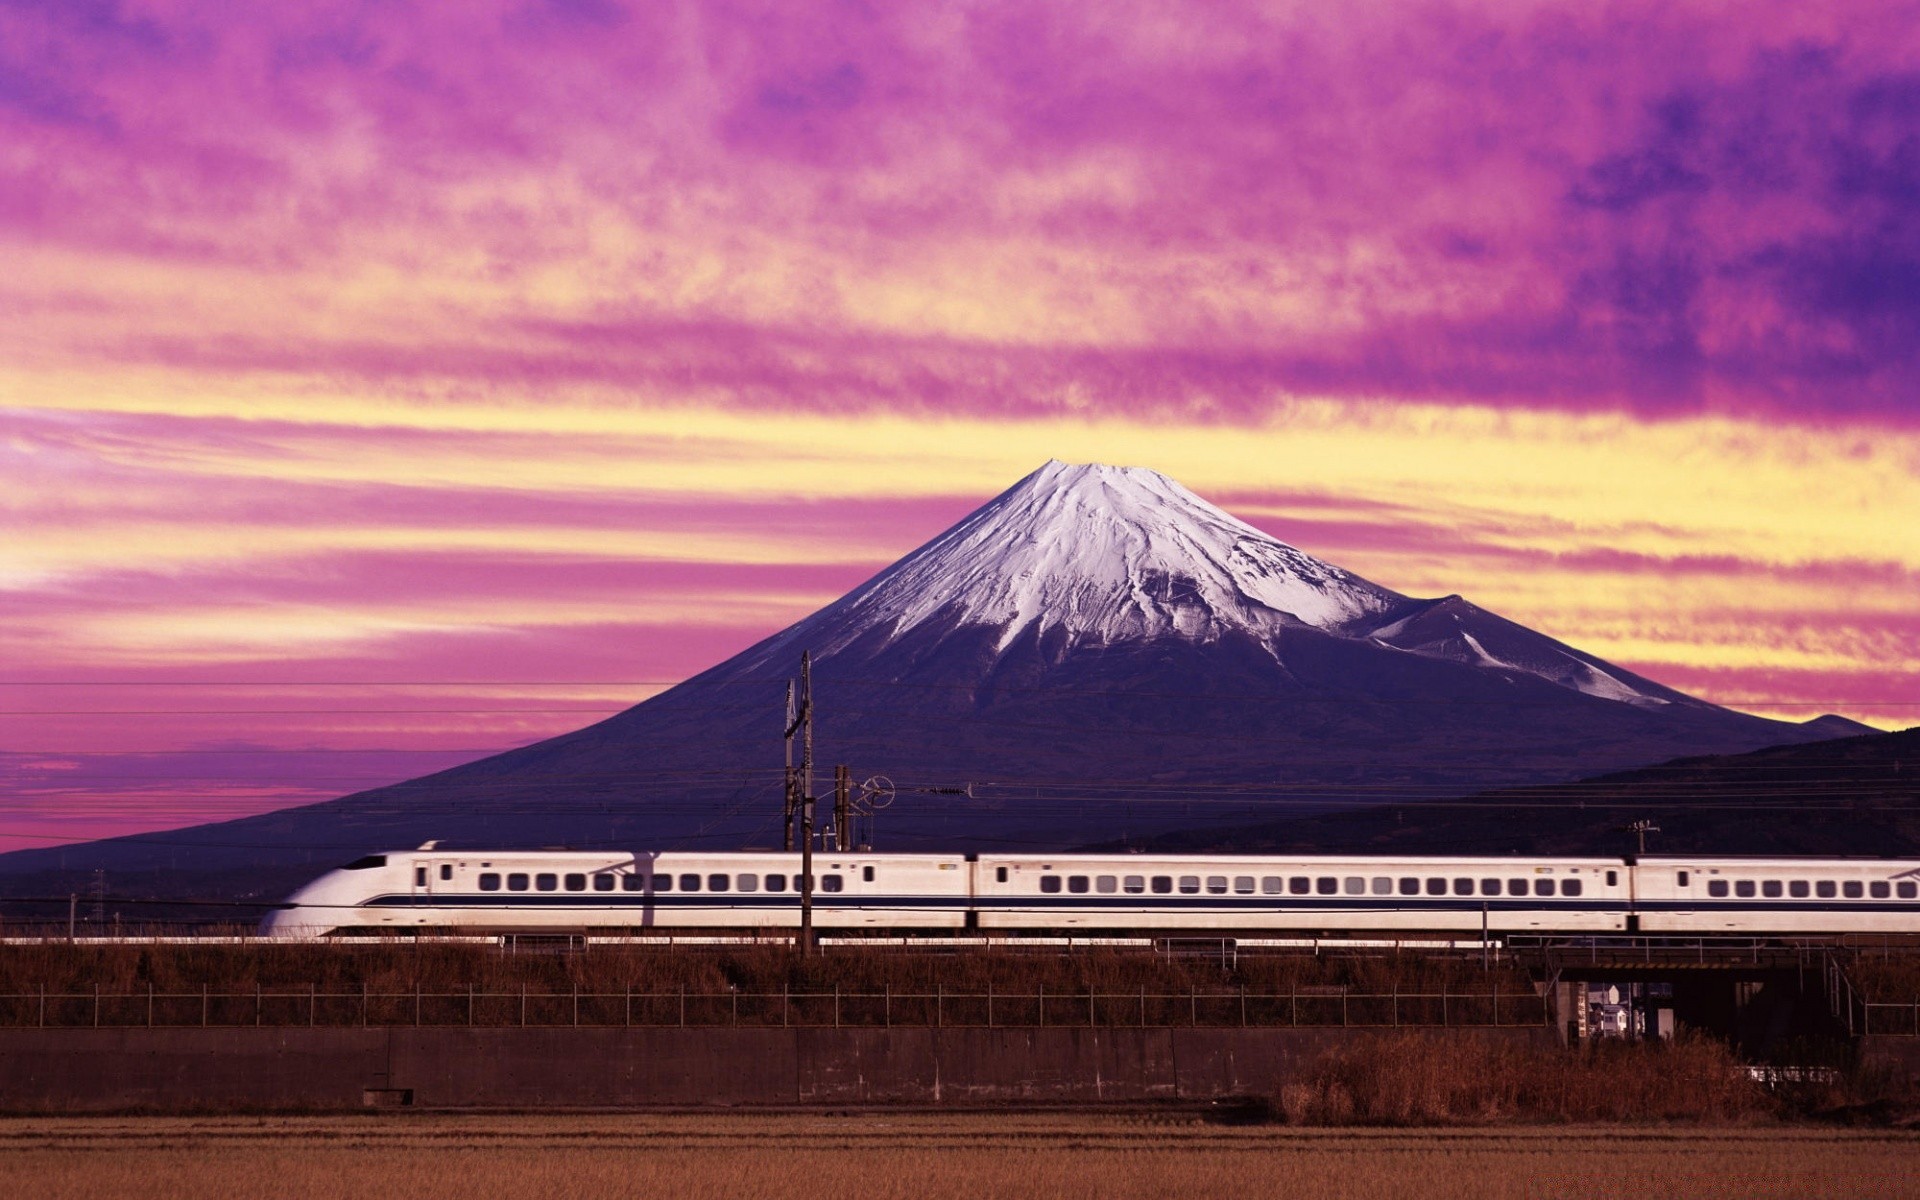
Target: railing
x=1887, y=1017
x=1602, y=949
x=1306, y=1006
x=1864, y=1016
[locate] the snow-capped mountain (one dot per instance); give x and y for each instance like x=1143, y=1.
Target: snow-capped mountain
x=1099, y=555
x=1096, y=653
x=1079, y=557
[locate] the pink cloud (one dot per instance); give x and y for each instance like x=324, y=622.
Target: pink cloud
x=1659, y=207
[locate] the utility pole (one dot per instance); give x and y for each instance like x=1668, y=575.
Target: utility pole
x=843, y=837
x=806, y=802
x=1642, y=827
x=790, y=794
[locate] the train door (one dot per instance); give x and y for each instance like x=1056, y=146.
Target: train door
x=443, y=877
x=1686, y=887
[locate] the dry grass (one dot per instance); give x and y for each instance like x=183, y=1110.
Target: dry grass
x=1886, y=978
x=920, y=1155
x=1409, y=1079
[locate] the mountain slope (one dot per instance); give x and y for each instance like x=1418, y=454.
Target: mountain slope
x=1096, y=651
x=1850, y=796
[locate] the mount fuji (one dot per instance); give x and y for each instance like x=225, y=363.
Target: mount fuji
x=1096, y=560
x=1096, y=653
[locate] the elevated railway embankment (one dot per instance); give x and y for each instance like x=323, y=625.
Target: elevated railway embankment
x=192, y=1069
x=167, y=1027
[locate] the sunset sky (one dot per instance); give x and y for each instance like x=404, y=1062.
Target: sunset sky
x=386, y=383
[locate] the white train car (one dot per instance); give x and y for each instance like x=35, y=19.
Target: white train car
x=531, y=891
x=1774, y=895
x=1331, y=893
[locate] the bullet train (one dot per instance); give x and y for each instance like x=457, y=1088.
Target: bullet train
x=430, y=890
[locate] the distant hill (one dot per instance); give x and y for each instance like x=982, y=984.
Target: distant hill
x=1857, y=795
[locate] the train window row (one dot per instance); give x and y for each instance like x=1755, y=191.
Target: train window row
x=1824, y=889
x=1303, y=885
x=604, y=881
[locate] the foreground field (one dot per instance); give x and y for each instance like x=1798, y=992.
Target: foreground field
x=969, y=1155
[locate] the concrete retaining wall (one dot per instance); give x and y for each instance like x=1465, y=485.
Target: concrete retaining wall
x=102, y=1070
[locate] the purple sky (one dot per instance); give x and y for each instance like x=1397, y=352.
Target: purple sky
x=503, y=363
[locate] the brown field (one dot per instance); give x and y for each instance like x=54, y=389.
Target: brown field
x=971, y=1155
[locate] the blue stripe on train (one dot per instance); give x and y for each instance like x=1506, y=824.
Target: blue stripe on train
x=1230, y=904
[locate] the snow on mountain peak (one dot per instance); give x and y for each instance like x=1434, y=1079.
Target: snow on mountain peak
x=1104, y=554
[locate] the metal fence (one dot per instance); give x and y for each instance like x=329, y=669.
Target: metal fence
x=1675, y=950
x=1219, y=1008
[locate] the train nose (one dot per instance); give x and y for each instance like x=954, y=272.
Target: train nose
x=298, y=916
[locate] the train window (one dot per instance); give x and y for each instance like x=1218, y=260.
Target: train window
x=1382, y=886
x=1353, y=885
x=1908, y=889
x=776, y=883
x=1517, y=887
x=1613, y=879
x=1272, y=885
x=832, y=883
x=1077, y=884
x=1135, y=884
x=546, y=881
x=866, y=874
x=1543, y=887
x=1049, y=884
x=1853, y=889
x=1743, y=887
x=1299, y=885
x=419, y=877
x=1243, y=885
x=745, y=882
x=1463, y=887
x=718, y=883
x=1878, y=889
x=1679, y=877
x=603, y=882
x=1490, y=887
x=446, y=870
x=999, y=874
x=576, y=883
x=1716, y=887
x=490, y=881
x=1571, y=887
x=689, y=883
x=1106, y=885
x=1189, y=885
x=1825, y=889
x=366, y=863
x=1162, y=884
x=1326, y=885
x=1436, y=887
x=1409, y=886
x=1799, y=889
x=663, y=883
x=1216, y=885
x=633, y=883
x=516, y=882
x=1771, y=889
